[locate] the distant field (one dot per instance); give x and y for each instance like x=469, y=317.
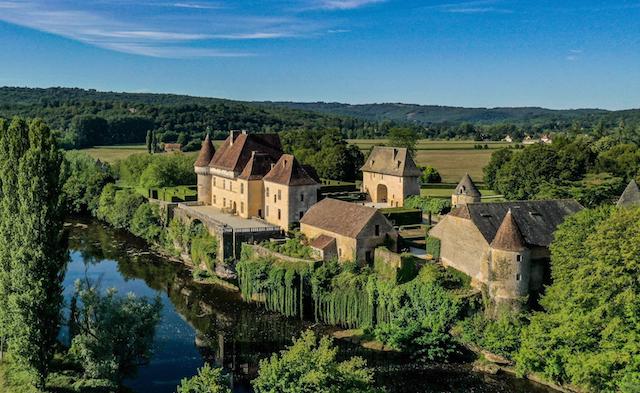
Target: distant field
x=446, y=193
x=453, y=164
x=426, y=144
x=112, y=154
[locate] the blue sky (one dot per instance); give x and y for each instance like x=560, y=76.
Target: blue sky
x=559, y=54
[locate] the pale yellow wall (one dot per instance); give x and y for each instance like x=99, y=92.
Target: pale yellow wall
x=457, y=200
x=346, y=246
x=287, y=201
x=204, y=189
x=225, y=192
x=398, y=188
x=463, y=247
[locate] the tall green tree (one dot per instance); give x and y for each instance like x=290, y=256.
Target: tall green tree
x=589, y=332
x=149, y=141
x=36, y=256
x=403, y=137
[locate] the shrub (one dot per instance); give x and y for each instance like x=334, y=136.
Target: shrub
x=311, y=365
x=430, y=175
x=146, y=223
x=500, y=335
x=117, y=207
x=204, y=248
x=208, y=380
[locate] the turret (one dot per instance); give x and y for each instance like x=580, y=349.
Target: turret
x=466, y=192
x=201, y=167
x=631, y=195
x=510, y=263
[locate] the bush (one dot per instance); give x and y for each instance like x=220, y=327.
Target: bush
x=204, y=248
x=84, y=179
x=500, y=335
x=208, y=380
x=146, y=223
x=117, y=207
x=311, y=365
x=430, y=175
x=428, y=205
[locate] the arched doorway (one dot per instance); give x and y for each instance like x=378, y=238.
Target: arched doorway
x=381, y=194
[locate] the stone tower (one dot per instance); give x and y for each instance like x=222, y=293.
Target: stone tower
x=466, y=192
x=509, y=264
x=631, y=196
x=201, y=167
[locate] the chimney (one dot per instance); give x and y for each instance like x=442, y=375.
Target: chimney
x=231, y=136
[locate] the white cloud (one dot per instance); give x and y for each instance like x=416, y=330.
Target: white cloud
x=473, y=7
x=199, y=6
x=345, y=4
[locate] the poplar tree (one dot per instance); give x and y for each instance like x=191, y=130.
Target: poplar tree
x=149, y=141
x=36, y=252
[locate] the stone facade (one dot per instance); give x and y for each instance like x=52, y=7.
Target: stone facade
x=390, y=176
x=358, y=230
x=503, y=247
x=247, y=172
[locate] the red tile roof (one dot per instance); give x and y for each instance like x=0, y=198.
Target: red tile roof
x=288, y=171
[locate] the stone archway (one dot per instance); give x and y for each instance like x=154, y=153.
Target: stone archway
x=382, y=194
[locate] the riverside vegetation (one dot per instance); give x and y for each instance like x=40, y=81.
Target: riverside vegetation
x=584, y=336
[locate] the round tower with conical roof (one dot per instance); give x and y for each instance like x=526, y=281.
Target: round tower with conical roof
x=509, y=264
x=466, y=192
x=201, y=167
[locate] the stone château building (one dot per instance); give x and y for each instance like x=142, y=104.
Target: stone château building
x=232, y=179
x=504, y=246
x=390, y=175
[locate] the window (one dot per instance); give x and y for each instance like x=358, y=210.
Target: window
x=301, y=214
x=214, y=199
x=267, y=211
x=241, y=188
x=224, y=184
x=279, y=214
x=519, y=258
x=518, y=277
x=340, y=252
x=241, y=207
x=267, y=192
x=301, y=197
x=275, y=198
x=279, y=195
x=224, y=202
x=377, y=230
x=214, y=181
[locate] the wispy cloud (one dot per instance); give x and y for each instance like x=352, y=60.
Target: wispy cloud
x=198, y=6
x=474, y=7
x=345, y=4
x=574, y=54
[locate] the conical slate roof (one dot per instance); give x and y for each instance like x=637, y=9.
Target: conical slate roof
x=206, y=153
x=508, y=237
x=631, y=195
x=467, y=187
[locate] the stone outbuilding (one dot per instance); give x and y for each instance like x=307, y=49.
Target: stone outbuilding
x=631, y=196
x=390, y=175
x=466, y=192
x=347, y=230
x=503, y=246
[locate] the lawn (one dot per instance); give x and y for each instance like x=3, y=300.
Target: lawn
x=446, y=193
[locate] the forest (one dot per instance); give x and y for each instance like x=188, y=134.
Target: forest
x=83, y=118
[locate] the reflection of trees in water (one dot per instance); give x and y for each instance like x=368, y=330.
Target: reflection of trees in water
x=236, y=335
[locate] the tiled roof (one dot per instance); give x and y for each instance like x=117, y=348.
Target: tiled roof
x=288, y=171
x=536, y=220
x=206, y=153
x=631, y=195
x=237, y=150
x=323, y=242
x=259, y=165
x=508, y=237
x=394, y=161
x=467, y=187
x=343, y=218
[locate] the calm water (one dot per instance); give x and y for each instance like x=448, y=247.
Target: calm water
x=206, y=323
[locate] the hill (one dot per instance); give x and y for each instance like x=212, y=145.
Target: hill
x=433, y=114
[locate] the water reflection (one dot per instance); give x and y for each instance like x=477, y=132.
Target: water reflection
x=208, y=323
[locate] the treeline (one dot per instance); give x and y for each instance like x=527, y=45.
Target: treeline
x=592, y=170
x=82, y=118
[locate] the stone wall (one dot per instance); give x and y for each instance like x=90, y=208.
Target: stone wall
x=397, y=188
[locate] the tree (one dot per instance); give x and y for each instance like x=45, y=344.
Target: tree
x=89, y=130
x=84, y=178
x=33, y=249
x=149, y=141
x=403, y=137
x=115, y=334
x=589, y=332
x=182, y=139
x=519, y=178
x=498, y=159
x=311, y=365
x=430, y=175
x=208, y=380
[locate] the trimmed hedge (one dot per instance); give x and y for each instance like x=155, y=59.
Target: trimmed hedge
x=400, y=216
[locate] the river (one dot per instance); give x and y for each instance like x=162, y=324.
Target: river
x=208, y=323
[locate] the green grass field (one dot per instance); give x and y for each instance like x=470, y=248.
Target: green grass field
x=426, y=144
x=112, y=154
x=446, y=193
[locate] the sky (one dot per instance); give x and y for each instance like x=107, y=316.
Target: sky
x=485, y=53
